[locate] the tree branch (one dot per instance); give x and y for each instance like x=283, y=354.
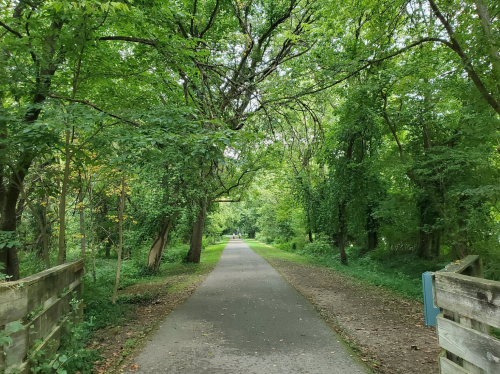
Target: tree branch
x=84, y=102
x=154, y=43
x=11, y=30
x=455, y=46
x=211, y=20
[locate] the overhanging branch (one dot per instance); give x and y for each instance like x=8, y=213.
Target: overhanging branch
x=11, y=30
x=154, y=43
x=85, y=102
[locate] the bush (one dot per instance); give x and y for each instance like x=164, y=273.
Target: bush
x=318, y=247
x=287, y=247
x=175, y=254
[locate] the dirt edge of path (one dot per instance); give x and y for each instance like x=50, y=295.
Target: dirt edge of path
x=119, y=344
x=387, y=331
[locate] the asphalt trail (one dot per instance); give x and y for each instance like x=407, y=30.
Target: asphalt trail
x=245, y=318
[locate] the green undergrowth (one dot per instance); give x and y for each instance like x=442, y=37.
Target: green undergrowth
x=401, y=273
x=97, y=294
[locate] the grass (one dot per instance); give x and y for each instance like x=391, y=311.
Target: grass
x=401, y=273
x=268, y=251
x=97, y=295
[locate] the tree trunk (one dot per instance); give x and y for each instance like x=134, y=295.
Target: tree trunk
x=460, y=244
x=40, y=219
x=10, y=195
x=372, y=227
x=341, y=234
x=372, y=240
x=61, y=257
x=194, y=253
x=92, y=229
x=429, y=242
x=8, y=254
x=156, y=251
x=8, y=220
x=120, y=239
x=81, y=212
x=21, y=204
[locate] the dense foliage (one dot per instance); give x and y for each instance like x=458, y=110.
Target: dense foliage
x=368, y=126
x=353, y=132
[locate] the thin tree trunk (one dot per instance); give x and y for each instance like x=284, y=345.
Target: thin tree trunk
x=372, y=227
x=81, y=212
x=341, y=234
x=92, y=229
x=429, y=241
x=120, y=239
x=61, y=258
x=194, y=254
x=156, y=251
x=460, y=244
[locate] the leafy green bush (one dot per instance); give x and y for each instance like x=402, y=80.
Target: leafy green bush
x=175, y=254
x=318, y=247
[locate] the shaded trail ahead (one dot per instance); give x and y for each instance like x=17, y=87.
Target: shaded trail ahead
x=245, y=318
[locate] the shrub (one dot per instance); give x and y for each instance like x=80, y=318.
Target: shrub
x=175, y=254
x=318, y=247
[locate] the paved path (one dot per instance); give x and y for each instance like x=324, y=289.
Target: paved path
x=245, y=318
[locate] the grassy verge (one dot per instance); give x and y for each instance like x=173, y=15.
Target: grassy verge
x=402, y=273
x=97, y=294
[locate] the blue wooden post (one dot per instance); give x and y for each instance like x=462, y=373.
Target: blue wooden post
x=430, y=311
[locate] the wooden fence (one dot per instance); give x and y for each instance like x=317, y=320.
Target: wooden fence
x=470, y=306
x=42, y=302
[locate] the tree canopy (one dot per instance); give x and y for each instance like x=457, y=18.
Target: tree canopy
x=360, y=126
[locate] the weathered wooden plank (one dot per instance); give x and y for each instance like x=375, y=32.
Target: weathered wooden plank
x=52, y=288
x=18, y=298
x=474, y=298
x=16, y=353
x=448, y=367
x=460, y=266
x=52, y=284
x=45, y=321
x=43, y=325
x=51, y=342
x=471, y=324
x=13, y=303
x=473, y=346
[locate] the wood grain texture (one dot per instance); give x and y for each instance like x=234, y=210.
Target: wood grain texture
x=449, y=367
x=461, y=266
x=52, y=290
x=473, y=346
x=474, y=298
